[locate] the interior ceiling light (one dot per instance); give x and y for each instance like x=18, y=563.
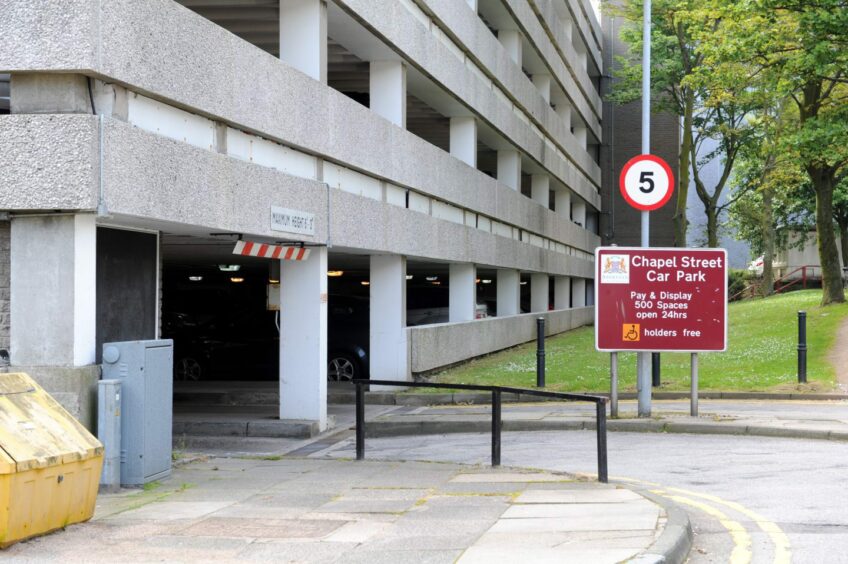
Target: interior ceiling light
x=365, y=283
x=431, y=278
x=477, y=281
x=409, y=277
x=229, y=267
x=486, y=281
x=436, y=283
x=523, y=283
x=195, y=278
x=273, y=281
x=335, y=273
x=236, y=279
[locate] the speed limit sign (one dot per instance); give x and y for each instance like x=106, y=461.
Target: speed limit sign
x=646, y=182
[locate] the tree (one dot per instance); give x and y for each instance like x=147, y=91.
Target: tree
x=797, y=49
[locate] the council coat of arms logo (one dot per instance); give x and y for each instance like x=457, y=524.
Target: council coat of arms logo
x=615, y=269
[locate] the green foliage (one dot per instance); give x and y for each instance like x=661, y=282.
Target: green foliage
x=737, y=280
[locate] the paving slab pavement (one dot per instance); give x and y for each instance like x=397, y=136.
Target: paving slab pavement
x=321, y=510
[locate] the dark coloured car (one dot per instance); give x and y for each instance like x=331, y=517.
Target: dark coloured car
x=245, y=345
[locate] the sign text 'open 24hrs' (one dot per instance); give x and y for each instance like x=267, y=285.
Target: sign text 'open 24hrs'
x=660, y=299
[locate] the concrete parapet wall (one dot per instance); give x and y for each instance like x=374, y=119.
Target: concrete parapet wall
x=49, y=162
x=434, y=346
x=220, y=81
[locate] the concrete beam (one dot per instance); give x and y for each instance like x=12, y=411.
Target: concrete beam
x=49, y=94
x=543, y=83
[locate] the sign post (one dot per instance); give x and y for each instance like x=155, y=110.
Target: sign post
x=646, y=183
x=643, y=361
x=661, y=300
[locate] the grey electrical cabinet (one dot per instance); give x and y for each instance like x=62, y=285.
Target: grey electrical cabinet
x=145, y=369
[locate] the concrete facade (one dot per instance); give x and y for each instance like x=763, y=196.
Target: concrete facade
x=119, y=120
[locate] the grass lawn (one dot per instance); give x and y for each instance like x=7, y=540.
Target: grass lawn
x=761, y=354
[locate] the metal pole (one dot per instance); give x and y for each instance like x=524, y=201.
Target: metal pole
x=109, y=432
x=643, y=361
x=802, y=347
x=540, y=352
x=614, y=384
x=655, y=370
x=360, y=422
x=496, y=427
x=693, y=408
x=601, y=410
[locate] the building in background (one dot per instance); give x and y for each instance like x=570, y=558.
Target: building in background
x=437, y=160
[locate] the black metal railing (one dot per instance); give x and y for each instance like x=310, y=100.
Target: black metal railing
x=497, y=422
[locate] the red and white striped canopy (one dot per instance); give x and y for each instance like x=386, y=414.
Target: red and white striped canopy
x=263, y=250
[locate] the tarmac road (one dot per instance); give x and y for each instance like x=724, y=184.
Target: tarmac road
x=751, y=499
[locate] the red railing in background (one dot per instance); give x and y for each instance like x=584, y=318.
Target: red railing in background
x=788, y=280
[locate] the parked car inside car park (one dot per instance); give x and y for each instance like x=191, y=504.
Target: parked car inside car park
x=245, y=345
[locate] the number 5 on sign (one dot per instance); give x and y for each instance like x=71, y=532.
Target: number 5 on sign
x=646, y=182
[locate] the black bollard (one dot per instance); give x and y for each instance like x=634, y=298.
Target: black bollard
x=802, y=347
x=655, y=370
x=540, y=352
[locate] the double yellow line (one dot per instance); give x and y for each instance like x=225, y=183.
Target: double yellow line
x=741, y=553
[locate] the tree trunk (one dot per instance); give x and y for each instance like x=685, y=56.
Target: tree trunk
x=768, y=243
x=843, y=242
x=823, y=184
x=712, y=225
x=680, y=221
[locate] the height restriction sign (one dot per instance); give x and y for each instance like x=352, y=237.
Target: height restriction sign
x=660, y=299
x=646, y=182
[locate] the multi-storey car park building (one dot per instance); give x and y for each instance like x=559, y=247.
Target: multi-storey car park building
x=439, y=158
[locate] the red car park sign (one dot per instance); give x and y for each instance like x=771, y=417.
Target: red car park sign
x=660, y=299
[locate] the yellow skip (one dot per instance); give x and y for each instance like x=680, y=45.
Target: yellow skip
x=741, y=553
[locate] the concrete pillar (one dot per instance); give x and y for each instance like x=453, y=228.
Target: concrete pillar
x=462, y=292
x=540, y=189
x=53, y=290
x=472, y=4
x=543, y=83
x=303, y=338
x=389, y=350
x=511, y=40
x=562, y=292
x=582, y=136
x=509, y=293
x=49, y=94
x=578, y=211
x=578, y=292
x=303, y=36
x=388, y=90
x=562, y=203
x=509, y=168
x=563, y=110
x=539, y=293
x=463, y=139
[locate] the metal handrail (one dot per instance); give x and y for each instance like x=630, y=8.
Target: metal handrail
x=756, y=290
x=497, y=422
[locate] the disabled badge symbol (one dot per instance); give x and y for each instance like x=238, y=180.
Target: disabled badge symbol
x=630, y=332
